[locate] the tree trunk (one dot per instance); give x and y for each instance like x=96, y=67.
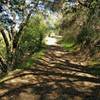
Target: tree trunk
x=5, y=39
x=18, y=35
x=3, y=65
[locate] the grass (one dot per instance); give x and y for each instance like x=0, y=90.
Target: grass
x=29, y=62
x=68, y=46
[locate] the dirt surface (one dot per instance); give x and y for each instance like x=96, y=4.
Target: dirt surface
x=53, y=77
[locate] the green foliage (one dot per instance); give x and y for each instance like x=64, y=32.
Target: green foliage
x=33, y=34
x=31, y=60
x=72, y=24
x=80, y=29
x=32, y=37
x=68, y=46
x=85, y=35
x=68, y=43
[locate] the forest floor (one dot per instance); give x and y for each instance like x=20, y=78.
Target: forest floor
x=56, y=76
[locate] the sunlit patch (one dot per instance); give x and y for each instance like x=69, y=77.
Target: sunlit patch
x=50, y=41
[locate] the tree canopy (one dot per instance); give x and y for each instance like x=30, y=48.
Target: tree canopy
x=16, y=14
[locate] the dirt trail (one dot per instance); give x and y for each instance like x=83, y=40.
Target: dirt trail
x=53, y=77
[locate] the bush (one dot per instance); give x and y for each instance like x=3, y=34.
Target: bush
x=86, y=34
x=32, y=37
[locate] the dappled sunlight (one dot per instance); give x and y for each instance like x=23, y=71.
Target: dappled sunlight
x=52, y=77
x=49, y=50
x=50, y=41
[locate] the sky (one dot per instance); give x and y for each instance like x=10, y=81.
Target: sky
x=41, y=7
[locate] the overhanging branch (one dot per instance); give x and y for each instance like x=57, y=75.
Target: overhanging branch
x=84, y=3
x=17, y=36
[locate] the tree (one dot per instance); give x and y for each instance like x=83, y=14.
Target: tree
x=10, y=9
x=89, y=36
x=81, y=22
x=14, y=16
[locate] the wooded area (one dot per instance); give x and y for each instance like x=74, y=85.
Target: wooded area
x=49, y=49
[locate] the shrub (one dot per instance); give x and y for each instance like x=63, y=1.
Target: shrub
x=32, y=37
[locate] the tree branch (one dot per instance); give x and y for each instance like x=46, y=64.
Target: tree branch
x=5, y=38
x=17, y=36
x=84, y=4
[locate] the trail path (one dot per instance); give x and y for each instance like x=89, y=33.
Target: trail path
x=52, y=77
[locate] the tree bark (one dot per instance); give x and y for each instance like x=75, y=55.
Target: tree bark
x=5, y=39
x=84, y=3
x=3, y=65
x=18, y=35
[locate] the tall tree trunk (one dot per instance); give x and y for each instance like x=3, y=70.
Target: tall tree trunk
x=5, y=40
x=3, y=65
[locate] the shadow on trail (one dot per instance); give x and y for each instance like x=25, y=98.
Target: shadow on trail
x=53, y=78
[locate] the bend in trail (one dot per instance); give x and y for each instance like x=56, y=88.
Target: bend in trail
x=52, y=77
